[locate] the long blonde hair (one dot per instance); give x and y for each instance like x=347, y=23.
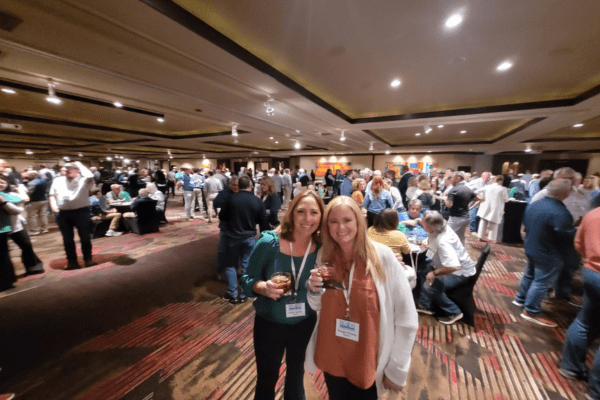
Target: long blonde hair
x=363, y=248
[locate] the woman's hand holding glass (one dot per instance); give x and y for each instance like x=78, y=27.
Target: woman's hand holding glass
x=315, y=281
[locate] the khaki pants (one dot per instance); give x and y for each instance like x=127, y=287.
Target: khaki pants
x=209, y=205
x=37, y=213
x=287, y=196
x=114, y=217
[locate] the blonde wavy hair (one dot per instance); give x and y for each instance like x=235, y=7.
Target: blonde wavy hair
x=267, y=180
x=363, y=248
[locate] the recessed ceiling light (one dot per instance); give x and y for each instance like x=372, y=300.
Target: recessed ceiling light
x=527, y=150
x=117, y=104
x=387, y=152
x=160, y=119
x=429, y=151
x=578, y=125
x=277, y=142
x=417, y=134
x=440, y=126
x=463, y=131
x=271, y=138
x=395, y=83
x=427, y=129
x=28, y=152
x=9, y=91
x=504, y=66
x=454, y=21
x=108, y=158
x=297, y=131
x=297, y=145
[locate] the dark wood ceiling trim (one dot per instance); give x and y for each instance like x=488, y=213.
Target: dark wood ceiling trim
x=83, y=125
x=395, y=153
x=87, y=140
x=68, y=96
x=571, y=139
x=483, y=142
x=189, y=21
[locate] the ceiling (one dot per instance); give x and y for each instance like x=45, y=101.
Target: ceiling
x=205, y=66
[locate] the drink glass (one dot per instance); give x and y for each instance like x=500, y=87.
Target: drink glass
x=283, y=280
x=327, y=273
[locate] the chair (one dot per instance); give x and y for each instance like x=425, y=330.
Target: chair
x=99, y=228
x=146, y=220
x=462, y=295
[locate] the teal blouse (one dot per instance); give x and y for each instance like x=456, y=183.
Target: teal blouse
x=264, y=260
x=4, y=217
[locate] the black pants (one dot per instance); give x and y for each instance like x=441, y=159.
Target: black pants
x=33, y=265
x=171, y=187
x=67, y=220
x=370, y=218
x=342, y=389
x=270, y=341
x=7, y=271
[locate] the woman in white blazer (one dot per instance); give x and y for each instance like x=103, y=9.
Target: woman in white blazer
x=491, y=209
x=365, y=333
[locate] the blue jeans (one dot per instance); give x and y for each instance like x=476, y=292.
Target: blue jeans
x=271, y=339
x=473, y=220
x=583, y=331
x=237, y=252
x=538, y=278
x=564, y=280
x=80, y=219
x=436, y=292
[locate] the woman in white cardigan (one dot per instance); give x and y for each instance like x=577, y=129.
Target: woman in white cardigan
x=491, y=209
x=365, y=333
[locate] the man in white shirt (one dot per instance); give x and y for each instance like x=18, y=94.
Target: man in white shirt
x=69, y=199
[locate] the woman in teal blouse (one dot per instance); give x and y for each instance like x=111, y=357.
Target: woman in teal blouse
x=284, y=323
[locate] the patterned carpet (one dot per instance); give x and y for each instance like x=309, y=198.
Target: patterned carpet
x=152, y=325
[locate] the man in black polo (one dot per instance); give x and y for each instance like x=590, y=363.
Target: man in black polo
x=458, y=201
x=403, y=184
x=243, y=212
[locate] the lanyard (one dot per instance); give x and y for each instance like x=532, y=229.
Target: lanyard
x=347, y=291
x=293, y=265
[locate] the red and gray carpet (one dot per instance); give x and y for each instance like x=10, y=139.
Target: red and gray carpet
x=149, y=323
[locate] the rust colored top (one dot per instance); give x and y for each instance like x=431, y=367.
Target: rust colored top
x=355, y=361
x=587, y=240
x=358, y=197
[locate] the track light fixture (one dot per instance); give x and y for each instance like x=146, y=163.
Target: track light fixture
x=297, y=145
x=52, y=98
x=371, y=146
x=427, y=129
x=342, y=137
x=270, y=110
x=234, y=131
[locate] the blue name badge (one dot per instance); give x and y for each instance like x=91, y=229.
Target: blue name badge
x=293, y=310
x=346, y=329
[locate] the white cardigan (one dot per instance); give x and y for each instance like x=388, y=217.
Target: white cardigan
x=398, y=322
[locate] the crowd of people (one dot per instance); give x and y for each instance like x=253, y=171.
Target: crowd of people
x=338, y=281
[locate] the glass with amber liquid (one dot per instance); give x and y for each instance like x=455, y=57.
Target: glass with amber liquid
x=283, y=280
x=327, y=273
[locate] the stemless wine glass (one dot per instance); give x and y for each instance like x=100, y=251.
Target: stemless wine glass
x=283, y=280
x=327, y=273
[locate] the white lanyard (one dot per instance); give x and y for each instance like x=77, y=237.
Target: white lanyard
x=347, y=291
x=293, y=265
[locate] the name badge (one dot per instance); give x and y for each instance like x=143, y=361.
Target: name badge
x=346, y=329
x=293, y=310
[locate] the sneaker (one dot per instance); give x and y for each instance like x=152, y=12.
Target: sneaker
x=450, y=319
x=113, y=233
x=421, y=309
x=538, y=320
x=33, y=233
x=45, y=231
x=579, y=376
x=518, y=303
